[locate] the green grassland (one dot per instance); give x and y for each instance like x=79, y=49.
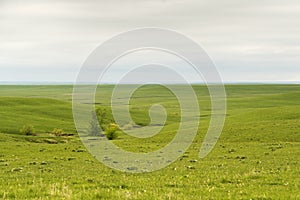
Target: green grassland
x=256, y=157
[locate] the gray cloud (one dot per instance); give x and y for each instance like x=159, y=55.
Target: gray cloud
x=249, y=40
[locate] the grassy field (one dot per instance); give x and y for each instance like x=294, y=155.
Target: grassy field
x=256, y=157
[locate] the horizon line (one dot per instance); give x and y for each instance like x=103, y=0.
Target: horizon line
x=114, y=83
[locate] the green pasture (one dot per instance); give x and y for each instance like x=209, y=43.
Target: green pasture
x=256, y=157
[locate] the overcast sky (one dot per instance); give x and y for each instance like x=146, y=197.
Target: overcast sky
x=48, y=40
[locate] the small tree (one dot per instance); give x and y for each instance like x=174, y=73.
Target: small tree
x=112, y=131
x=94, y=129
x=27, y=130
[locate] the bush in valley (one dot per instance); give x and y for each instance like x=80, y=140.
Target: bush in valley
x=102, y=121
x=27, y=130
x=112, y=131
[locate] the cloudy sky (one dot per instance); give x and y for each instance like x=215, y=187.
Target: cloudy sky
x=249, y=40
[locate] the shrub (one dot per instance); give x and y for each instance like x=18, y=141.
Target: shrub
x=27, y=130
x=57, y=132
x=112, y=131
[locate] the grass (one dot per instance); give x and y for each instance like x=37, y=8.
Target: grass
x=257, y=156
